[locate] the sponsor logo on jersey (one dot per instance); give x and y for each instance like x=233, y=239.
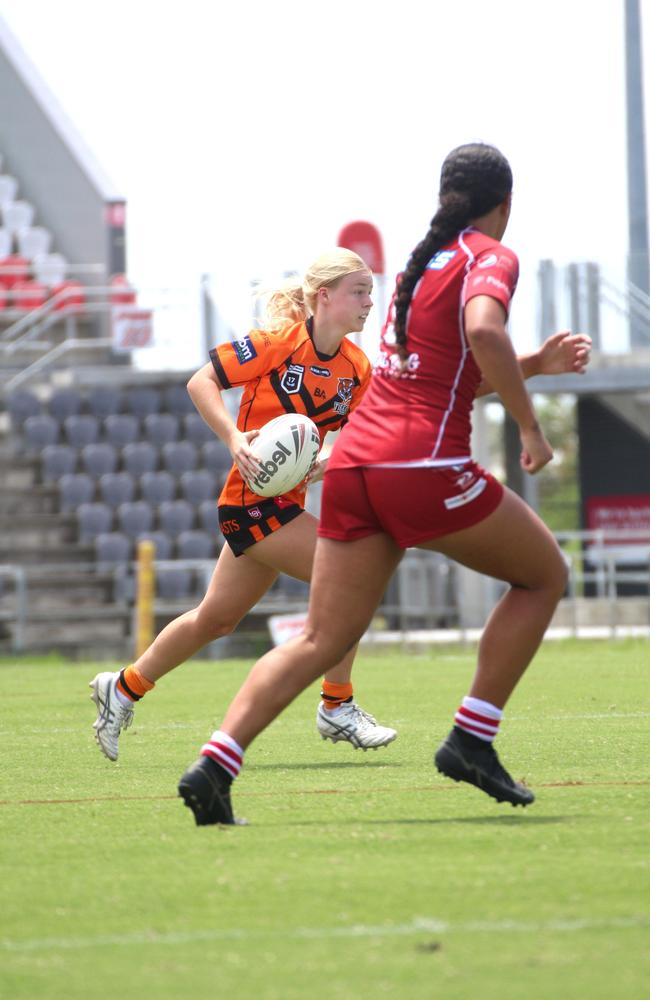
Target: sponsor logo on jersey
x=344, y=393
x=441, y=259
x=323, y=372
x=254, y=512
x=488, y=261
x=269, y=469
x=291, y=381
x=244, y=350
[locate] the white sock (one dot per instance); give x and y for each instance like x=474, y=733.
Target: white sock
x=480, y=718
x=225, y=751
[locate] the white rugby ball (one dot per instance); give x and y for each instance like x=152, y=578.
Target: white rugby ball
x=287, y=447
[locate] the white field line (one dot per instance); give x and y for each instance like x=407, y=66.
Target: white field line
x=419, y=925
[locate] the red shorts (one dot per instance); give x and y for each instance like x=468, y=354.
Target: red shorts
x=412, y=505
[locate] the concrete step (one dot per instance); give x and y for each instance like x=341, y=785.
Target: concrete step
x=34, y=500
x=21, y=533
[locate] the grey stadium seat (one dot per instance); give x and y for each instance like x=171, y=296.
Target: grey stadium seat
x=174, y=583
x=163, y=543
x=196, y=430
x=98, y=459
x=215, y=456
x=176, y=400
x=81, y=429
x=116, y=488
x=139, y=457
x=40, y=431
x=57, y=460
x=179, y=457
x=195, y=545
x=135, y=518
x=22, y=404
x=104, y=401
x=65, y=403
x=199, y=486
x=175, y=516
x=142, y=402
x=121, y=429
x=209, y=518
x=113, y=547
x=156, y=487
x=93, y=519
x=159, y=428
x=75, y=489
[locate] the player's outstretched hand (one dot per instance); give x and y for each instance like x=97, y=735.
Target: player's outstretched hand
x=536, y=451
x=564, y=352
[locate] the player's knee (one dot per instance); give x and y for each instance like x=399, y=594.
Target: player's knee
x=211, y=628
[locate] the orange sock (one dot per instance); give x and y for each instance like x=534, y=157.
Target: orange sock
x=133, y=684
x=334, y=694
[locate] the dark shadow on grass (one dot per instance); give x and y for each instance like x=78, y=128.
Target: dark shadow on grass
x=330, y=766
x=518, y=820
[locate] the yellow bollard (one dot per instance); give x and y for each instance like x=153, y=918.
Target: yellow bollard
x=146, y=588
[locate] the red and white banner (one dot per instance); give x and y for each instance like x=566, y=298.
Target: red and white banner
x=131, y=328
x=622, y=513
x=365, y=239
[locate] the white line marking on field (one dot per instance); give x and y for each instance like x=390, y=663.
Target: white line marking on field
x=419, y=925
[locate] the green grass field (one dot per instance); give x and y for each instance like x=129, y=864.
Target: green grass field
x=361, y=874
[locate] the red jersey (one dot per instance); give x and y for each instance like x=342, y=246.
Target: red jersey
x=282, y=372
x=422, y=416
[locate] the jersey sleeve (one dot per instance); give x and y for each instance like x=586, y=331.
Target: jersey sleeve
x=240, y=361
x=493, y=273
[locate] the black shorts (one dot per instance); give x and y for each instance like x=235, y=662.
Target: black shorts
x=244, y=526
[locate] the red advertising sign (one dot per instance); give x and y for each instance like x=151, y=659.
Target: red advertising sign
x=364, y=239
x=622, y=513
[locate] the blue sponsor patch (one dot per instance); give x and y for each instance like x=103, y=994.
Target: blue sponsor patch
x=441, y=259
x=244, y=350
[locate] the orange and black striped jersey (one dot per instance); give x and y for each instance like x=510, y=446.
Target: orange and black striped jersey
x=282, y=372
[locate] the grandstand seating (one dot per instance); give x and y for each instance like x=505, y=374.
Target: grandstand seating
x=98, y=459
x=161, y=428
x=116, y=488
x=81, y=430
x=17, y=215
x=179, y=457
x=33, y=241
x=140, y=457
x=157, y=487
x=74, y=489
x=215, y=455
x=50, y=269
x=40, y=431
x=164, y=545
x=195, y=544
x=143, y=401
x=196, y=429
x=175, y=516
x=65, y=403
x=174, y=583
x=121, y=428
x=6, y=242
x=112, y=547
x=135, y=518
x=209, y=518
x=22, y=404
x=198, y=485
x=176, y=400
x=57, y=460
x=93, y=519
x=104, y=401
x=8, y=190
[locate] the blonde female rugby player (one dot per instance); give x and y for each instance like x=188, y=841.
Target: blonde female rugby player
x=302, y=361
x=401, y=475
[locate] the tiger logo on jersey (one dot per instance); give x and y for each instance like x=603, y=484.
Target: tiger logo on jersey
x=344, y=392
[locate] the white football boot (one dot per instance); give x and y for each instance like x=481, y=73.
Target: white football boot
x=350, y=723
x=112, y=715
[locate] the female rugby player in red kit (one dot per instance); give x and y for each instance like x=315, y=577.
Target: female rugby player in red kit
x=401, y=475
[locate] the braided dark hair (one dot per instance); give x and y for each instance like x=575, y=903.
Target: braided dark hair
x=474, y=179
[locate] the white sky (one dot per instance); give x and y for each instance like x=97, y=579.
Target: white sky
x=244, y=135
